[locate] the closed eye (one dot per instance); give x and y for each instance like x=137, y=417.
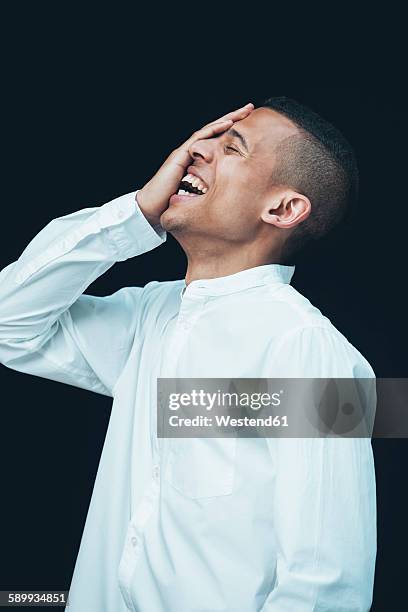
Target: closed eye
x=229, y=148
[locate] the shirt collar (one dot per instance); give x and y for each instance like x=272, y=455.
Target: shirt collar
x=245, y=279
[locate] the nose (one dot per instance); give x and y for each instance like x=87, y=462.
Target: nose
x=202, y=149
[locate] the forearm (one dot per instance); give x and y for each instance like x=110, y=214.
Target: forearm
x=61, y=262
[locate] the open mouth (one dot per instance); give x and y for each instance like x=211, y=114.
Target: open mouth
x=191, y=185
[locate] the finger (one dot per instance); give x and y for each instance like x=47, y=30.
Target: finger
x=220, y=125
x=208, y=131
x=217, y=127
x=239, y=113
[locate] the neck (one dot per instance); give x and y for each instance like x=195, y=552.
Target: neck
x=214, y=265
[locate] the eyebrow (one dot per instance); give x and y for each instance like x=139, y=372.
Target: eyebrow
x=235, y=134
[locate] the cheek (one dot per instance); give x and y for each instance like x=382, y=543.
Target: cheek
x=235, y=211
x=242, y=202
x=236, y=196
x=233, y=181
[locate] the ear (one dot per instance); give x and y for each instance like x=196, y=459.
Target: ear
x=286, y=209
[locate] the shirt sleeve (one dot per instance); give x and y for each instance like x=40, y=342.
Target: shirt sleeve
x=47, y=326
x=324, y=497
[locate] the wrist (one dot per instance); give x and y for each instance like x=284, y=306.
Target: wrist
x=140, y=202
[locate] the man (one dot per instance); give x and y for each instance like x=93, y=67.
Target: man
x=188, y=525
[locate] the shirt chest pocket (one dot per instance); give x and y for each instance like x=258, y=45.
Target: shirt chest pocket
x=202, y=467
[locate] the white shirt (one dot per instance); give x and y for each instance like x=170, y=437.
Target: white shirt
x=194, y=525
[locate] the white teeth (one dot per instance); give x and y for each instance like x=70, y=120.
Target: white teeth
x=185, y=193
x=195, y=182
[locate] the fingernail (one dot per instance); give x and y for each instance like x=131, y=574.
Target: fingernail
x=249, y=104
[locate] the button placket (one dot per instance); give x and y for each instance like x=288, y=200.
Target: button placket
x=134, y=540
x=190, y=312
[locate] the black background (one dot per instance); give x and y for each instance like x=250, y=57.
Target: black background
x=90, y=112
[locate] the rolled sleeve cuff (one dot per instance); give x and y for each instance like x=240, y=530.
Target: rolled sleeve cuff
x=128, y=229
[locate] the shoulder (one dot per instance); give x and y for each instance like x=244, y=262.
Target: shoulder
x=295, y=308
x=310, y=345
x=153, y=290
x=155, y=302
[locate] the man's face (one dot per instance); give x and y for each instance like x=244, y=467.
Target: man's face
x=236, y=168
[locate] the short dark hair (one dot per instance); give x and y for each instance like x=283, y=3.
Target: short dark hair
x=319, y=163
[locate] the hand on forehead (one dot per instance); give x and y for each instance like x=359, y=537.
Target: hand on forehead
x=263, y=128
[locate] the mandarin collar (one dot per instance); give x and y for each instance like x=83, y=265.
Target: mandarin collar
x=245, y=279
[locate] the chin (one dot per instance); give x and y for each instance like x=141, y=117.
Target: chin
x=173, y=221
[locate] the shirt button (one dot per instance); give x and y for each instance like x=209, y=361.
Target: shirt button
x=156, y=472
x=134, y=542
x=120, y=214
